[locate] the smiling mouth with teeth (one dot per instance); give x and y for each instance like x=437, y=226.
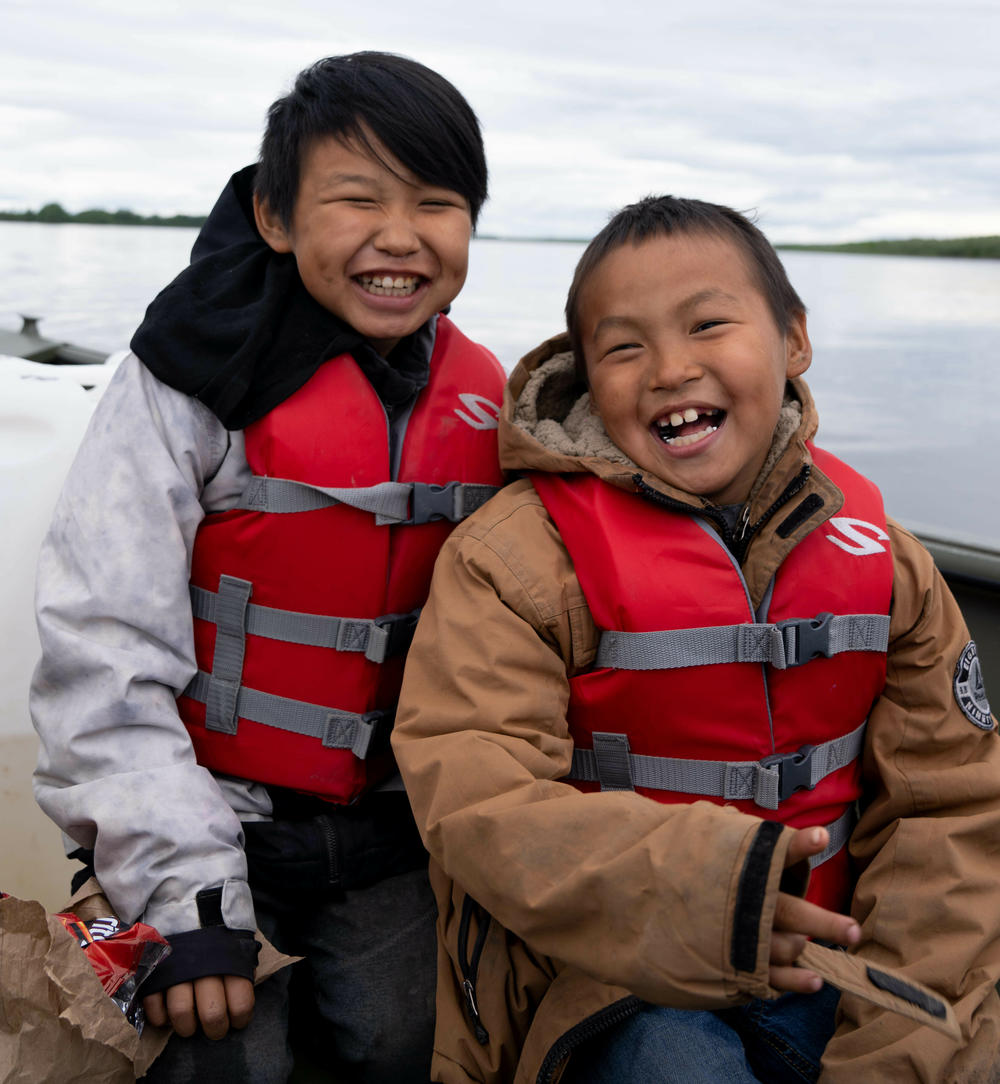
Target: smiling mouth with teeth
x=389, y=285
x=679, y=429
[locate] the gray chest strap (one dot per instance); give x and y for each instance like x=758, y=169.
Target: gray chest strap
x=378, y=639
x=227, y=700
x=392, y=503
x=784, y=644
x=336, y=729
x=766, y=782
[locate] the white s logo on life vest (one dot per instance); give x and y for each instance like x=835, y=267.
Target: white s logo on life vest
x=861, y=545
x=483, y=412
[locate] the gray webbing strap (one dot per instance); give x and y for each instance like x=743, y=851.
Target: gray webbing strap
x=377, y=639
x=390, y=502
x=840, y=832
x=335, y=728
x=766, y=783
x=614, y=766
x=227, y=662
x=787, y=643
x=612, y=761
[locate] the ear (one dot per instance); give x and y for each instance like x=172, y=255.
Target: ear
x=798, y=348
x=271, y=228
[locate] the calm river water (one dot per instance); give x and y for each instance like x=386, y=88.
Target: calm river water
x=906, y=365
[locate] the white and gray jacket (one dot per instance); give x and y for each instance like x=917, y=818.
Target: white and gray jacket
x=116, y=769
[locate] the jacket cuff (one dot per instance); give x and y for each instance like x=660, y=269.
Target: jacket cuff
x=234, y=909
x=215, y=950
x=761, y=877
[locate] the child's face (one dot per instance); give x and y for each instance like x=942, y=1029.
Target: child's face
x=675, y=329
x=383, y=252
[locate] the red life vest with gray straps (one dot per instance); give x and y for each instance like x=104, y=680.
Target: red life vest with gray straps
x=693, y=695
x=305, y=595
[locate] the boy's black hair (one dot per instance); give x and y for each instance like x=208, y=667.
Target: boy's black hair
x=414, y=113
x=659, y=216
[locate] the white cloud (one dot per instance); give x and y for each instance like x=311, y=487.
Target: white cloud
x=868, y=118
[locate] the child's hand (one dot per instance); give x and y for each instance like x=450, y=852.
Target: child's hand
x=217, y=1002
x=795, y=920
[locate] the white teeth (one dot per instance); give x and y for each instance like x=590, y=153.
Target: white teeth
x=691, y=438
x=388, y=285
x=688, y=415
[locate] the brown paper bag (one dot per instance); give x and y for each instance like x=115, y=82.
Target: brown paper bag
x=57, y=1025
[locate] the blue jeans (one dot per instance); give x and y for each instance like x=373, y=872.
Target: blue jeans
x=778, y=1042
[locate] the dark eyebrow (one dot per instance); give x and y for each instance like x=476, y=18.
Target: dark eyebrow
x=351, y=178
x=610, y=322
x=711, y=294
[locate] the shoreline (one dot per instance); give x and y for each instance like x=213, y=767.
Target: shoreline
x=977, y=248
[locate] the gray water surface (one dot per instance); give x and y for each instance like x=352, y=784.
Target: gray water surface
x=906, y=351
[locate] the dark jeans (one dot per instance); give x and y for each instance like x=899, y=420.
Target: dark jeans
x=776, y=1042
x=362, y=999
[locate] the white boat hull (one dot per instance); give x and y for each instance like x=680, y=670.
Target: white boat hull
x=44, y=411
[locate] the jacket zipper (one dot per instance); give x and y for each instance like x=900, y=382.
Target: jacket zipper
x=789, y=491
x=470, y=967
x=738, y=541
x=588, y=1028
x=332, y=850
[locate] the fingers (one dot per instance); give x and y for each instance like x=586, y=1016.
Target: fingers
x=805, y=843
x=793, y=915
x=796, y=980
x=156, y=1010
x=180, y=1008
x=796, y=920
x=240, y=999
x=782, y=975
x=215, y=1002
x=213, y=1010
x=786, y=948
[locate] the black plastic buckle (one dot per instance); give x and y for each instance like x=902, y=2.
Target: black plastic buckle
x=400, y=629
x=794, y=770
x=812, y=638
x=430, y=502
x=373, y=733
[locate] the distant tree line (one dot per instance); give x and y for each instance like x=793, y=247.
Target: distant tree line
x=984, y=248
x=55, y=212
x=987, y=248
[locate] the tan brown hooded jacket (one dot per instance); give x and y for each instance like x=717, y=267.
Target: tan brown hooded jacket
x=559, y=909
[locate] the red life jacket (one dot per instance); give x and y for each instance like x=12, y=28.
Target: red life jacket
x=304, y=602
x=720, y=702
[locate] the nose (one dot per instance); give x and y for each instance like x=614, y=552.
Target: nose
x=672, y=365
x=396, y=235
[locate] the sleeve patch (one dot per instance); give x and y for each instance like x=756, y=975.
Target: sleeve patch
x=970, y=691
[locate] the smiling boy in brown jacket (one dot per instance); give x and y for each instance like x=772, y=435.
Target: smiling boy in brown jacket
x=647, y=674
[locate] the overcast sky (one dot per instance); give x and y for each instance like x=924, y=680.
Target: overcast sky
x=835, y=121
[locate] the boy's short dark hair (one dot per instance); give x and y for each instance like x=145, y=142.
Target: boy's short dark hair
x=658, y=216
x=413, y=112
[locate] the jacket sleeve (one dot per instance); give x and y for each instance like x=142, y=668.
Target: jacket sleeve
x=928, y=894
x=116, y=768
x=663, y=900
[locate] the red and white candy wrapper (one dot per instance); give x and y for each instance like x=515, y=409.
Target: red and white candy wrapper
x=122, y=958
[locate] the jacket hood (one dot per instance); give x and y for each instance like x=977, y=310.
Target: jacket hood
x=238, y=330
x=548, y=424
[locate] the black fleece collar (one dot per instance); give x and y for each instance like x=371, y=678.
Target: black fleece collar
x=238, y=331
